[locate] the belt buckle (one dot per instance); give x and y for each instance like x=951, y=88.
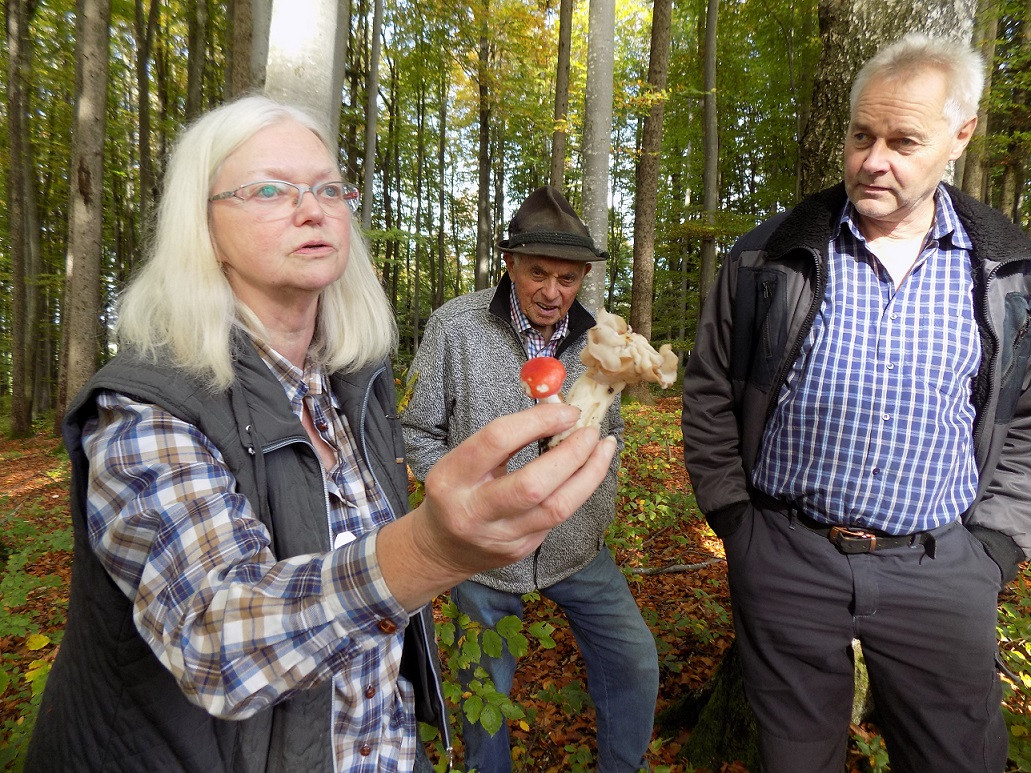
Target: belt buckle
x=852, y=540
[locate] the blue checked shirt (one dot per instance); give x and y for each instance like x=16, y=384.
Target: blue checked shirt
x=874, y=425
x=238, y=628
x=533, y=341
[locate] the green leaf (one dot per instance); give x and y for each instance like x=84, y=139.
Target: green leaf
x=490, y=718
x=470, y=652
x=542, y=632
x=472, y=707
x=491, y=643
x=518, y=645
x=427, y=732
x=509, y=626
x=446, y=633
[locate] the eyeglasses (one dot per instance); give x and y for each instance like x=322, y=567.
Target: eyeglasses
x=274, y=199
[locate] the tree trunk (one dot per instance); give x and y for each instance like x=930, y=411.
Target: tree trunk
x=711, y=151
x=558, y=137
x=145, y=25
x=250, y=21
x=308, y=70
x=442, y=93
x=851, y=31
x=481, y=272
x=197, y=45
x=647, y=184
x=597, y=140
x=18, y=72
x=723, y=726
x=975, y=161
x=1008, y=191
x=85, y=209
x=420, y=163
x=371, y=112
x=498, y=164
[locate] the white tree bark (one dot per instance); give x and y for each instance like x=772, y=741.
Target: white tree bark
x=371, y=114
x=597, y=142
x=307, y=46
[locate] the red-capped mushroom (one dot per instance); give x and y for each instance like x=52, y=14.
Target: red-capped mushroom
x=542, y=377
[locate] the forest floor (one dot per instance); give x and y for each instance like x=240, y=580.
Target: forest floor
x=673, y=561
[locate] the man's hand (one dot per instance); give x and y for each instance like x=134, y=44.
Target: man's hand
x=475, y=516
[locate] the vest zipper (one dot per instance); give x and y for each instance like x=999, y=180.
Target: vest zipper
x=428, y=652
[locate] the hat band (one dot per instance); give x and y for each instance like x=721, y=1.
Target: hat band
x=552, y=237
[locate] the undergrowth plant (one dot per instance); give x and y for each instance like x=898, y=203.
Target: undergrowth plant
x=32, y=629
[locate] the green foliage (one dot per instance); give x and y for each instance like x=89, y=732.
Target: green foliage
x=875, y=754
x=1015, y=648
x=463, y=642
x=22, y=544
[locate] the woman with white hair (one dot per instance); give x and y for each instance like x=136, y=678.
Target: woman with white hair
x=245, y=596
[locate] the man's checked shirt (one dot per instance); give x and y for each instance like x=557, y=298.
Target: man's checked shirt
x=874, y=425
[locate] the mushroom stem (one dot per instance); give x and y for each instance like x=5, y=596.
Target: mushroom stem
x=593, y=398
x=614, y=357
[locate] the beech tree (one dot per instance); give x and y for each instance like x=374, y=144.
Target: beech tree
x=19, y=201
x=597, y=141
x=85, y=214
x=647, y=182
x=558, y=137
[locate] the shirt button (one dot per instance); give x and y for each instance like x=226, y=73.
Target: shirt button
x=370, y=691
x=891, y=366
x=366, y=750
x=885, y=416
x=387, y=626
x=876, y=470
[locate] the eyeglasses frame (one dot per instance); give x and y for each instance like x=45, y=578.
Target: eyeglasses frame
x=351, y=192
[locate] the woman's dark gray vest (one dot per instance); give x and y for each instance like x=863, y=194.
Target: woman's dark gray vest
x=109, y=704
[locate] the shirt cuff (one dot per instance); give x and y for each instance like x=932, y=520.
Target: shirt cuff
x=357, y=594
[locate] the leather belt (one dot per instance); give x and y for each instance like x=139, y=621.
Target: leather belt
x=849, y=539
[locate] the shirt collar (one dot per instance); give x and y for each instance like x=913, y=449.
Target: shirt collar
x=297, y=382
x=945, y=228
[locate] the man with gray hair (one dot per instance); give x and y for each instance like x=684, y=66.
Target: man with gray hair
x=857, y=427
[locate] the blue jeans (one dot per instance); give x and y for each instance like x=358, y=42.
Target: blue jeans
x=618, y=650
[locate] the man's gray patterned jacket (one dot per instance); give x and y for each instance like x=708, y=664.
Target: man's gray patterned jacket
x=467, y=370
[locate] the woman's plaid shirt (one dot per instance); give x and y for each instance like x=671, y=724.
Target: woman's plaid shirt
x=239, y=628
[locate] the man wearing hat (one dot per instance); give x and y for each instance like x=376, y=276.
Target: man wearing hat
x=467, y=370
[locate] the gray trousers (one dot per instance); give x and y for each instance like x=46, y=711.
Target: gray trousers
x=925, y=616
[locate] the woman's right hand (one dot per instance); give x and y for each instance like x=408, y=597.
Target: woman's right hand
x=477, y=516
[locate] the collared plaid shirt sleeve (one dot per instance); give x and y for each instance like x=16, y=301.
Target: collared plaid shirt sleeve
x=874, y=425
x=238, y=628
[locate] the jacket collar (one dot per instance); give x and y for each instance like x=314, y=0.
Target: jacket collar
x=995, y=237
